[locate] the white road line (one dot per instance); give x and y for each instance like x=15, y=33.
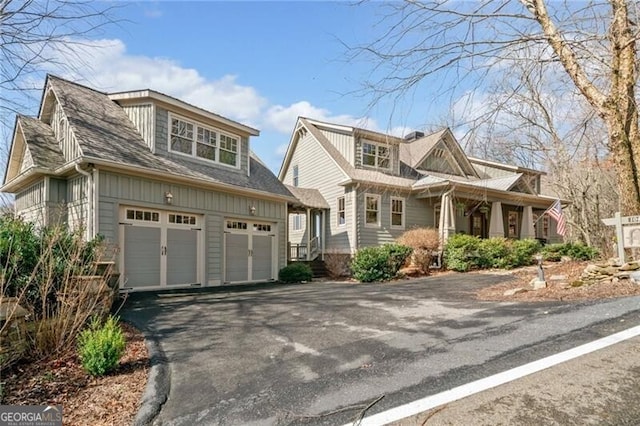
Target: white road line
x=481, y=385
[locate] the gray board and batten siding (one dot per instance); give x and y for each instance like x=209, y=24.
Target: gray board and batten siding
x=116, y=190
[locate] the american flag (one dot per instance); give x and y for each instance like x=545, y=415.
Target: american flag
x=555, y=211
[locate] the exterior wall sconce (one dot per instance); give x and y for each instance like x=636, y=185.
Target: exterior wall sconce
x=252, y=210
x=168, y=197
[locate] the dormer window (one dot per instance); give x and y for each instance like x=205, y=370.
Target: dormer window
x=375, y=155
x=190, y=138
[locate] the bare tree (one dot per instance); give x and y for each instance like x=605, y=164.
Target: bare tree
x=546, y=124
x=33, y=34
x=593, y=43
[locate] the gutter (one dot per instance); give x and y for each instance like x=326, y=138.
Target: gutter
x=188, y=179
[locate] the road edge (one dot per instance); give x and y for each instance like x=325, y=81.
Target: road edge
x=459, y=392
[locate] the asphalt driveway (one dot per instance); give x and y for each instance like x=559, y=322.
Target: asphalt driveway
x=320, y=353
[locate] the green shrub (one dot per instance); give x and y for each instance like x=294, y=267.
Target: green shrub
x=101, y=346
x=465, y=252
x=523, y=251
x=36, y=263
x=295, y=273
x=493, y=253
x=460, y=252
x=576, y=251
x=379, y=263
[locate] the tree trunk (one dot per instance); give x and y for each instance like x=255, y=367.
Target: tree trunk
x=624, y=144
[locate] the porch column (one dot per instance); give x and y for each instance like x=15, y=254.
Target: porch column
x=309, y=224
x=527, y=230
x=447, y=219
x=496, y=225
x=324, y=232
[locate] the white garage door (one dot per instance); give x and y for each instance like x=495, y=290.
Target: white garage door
x=159, y=248
x=250, y=249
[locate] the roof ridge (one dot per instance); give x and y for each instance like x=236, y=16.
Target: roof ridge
x=64, y=80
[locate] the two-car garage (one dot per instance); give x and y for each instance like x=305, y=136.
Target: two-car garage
x=162, y=249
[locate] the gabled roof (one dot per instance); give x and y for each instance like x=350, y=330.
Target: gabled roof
x=106, y=136
x=34, y=145
x=351, y=174
x=41, y=143
x=308, y=197
x=416, y=152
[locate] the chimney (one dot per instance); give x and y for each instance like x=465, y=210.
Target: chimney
x=413, y=136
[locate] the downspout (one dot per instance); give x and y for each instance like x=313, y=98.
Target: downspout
x=354, y=218
x=309, y=230
x=89, y=177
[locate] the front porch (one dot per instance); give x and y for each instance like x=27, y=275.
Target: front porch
x=307, y=223
x=514, y=216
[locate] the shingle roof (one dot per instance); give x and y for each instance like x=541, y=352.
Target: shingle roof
x=42, y=144
x=413, y=152
x=103, y=131
x=309, y=197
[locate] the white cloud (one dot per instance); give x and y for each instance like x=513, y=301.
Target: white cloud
x=112, y=68
x=283, y=118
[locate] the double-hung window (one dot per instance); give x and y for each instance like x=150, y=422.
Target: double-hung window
x=196, y=140
x=372, y=210
x=206, y=144
x=342, y=217
x=228, y=150
x=397, y=212
x=375, y=155
x=181, y=136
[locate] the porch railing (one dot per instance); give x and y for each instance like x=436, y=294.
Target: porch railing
x=299, y=251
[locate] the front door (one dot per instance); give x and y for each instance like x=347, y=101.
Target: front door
x=478, y=224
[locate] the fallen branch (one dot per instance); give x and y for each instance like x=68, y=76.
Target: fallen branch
x=362, y=407
x=431, y=414
x=364, y=411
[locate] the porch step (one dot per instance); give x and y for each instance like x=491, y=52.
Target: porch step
x=318, y=268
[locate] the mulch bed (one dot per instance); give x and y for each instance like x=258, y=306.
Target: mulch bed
x=110, y=400
x=557, y=289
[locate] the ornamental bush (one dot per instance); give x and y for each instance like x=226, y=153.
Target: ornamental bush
x=295, y=273
x=465, y=252
x=101, y=346
x=379, y=263
x=493, y=253
x=576, y=251
x=523, y=251
x=460, y=252
x=424, y=242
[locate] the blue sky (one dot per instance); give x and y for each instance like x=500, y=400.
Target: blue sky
x=261, y=63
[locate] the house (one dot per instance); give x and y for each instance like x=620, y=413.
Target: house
x=359, y=188
x=173, y=188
